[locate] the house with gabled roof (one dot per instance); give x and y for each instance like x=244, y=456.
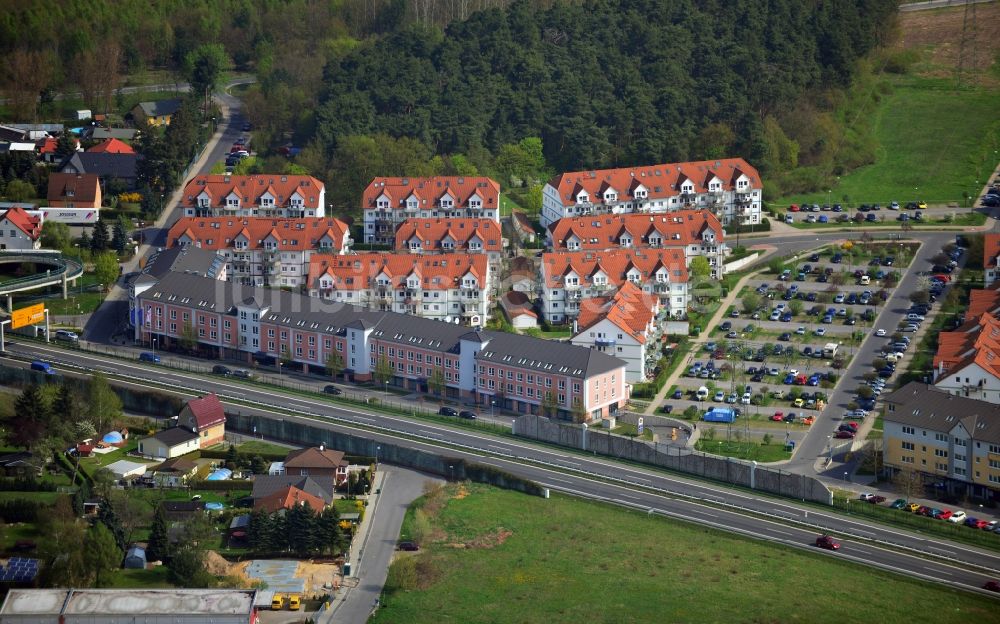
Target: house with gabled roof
x=286, y=498
x=623, y=325
x=387, y=202
x=697, y=232
x=206, y=417
x=264, y=251
x=991, y=259
x=111, y=146
x=157, y=112
x=74, y=190
x=453, y=287
x=730, y=188
x=317, y=462
x=258, y=195
x=20, y=230
x=570, y=277
x=947, y=439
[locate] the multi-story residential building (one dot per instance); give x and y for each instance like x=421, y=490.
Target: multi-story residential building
x=697, y=232
x=452, y=287
x=991, y=259
x=263, y=251
x=514, y=372
x=967, y=362
x=948, y=439
x=730, y=188
x=570, y=277
x=263, y=195
x=190, y=260
x=624, y=325
x=448, y=235
x=20, y=230
x=387, y=202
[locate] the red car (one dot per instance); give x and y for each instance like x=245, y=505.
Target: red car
x=778, y=417
x=844, y=435
x=793, y=208
x=944, y=515
x=992, y=586
x=976, y=523
x=827, y=542
x=852, y=425
x=923, y=510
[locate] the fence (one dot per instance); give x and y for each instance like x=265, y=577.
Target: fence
x=736, y=265
x=724, y=469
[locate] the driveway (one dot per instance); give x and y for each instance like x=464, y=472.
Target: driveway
x=400, y=487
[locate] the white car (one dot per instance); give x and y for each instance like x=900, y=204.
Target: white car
x=880, y=332
x=894, y=206
x=958, y=517
x=746, y=398
x=801, y=331
x=820, y=331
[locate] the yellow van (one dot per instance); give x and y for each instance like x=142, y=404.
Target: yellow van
x=293, y=602
x=278, y=602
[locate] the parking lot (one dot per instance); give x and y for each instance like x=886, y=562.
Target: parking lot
x=779, y=352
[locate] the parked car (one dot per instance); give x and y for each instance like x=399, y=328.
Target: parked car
x=242, y=373
x=67, y=336
x=408, y=546
x=844, y=435
x=331, y=389
x=957, y=517
x=899, y=503
x=219, y=369
x=466, y=414
x=152, y=358
x=448, y=411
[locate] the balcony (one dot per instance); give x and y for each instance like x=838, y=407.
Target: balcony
x=605, y=342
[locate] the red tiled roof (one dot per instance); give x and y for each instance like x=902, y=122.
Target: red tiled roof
x=615, y=263
x=19, y=218
x=430, y=190
x=630, y=309
x=359, y=271
x=977, y=341
x=286, y=498
x=660, y=181
x=289, y=234
x=112, y=146
x=250, y=188
x=84, y=187
x=432, y=231
x=680, y=228
x=991, y=249
x=983, y=300
x=207, y=411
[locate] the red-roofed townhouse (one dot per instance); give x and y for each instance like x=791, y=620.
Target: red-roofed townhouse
x=421, y=236
x=260, y=195
x=730, y=188
x=570, y=277
x=112, y=146
x=206, y=417
x=387, y=202
x=451, y=287
x=991, y=258
x=263, y=251
x=20, y=230
x=967, y=361
x=697, y=232
x=623, y=326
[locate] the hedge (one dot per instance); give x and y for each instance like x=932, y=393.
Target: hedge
x=20, y=510
x=228, y=485
x=25, y=484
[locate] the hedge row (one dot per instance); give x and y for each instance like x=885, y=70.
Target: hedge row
x=20, y=510
x=25, y=484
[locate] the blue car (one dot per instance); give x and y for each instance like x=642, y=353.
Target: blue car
x=823, y=219
x=787, y=316
x=789, y=379
x=813, y=381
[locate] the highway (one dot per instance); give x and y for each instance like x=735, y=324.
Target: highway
x=704, y=503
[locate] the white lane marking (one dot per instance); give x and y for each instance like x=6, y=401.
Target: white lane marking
x=632, y=497
x=937, y=571
x=772, y=530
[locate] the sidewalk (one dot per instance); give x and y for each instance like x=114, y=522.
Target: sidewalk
x=701, y=339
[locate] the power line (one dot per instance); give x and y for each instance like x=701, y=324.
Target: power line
x=968, y=50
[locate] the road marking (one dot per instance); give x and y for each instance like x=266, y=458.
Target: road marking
x=426, y=432
x=560, y=480
x=363, y=419
x=502, y=448
x=632, y=497
x=937, y=571
x=782, y=532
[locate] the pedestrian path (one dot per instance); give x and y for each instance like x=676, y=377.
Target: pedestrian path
x=703, y=337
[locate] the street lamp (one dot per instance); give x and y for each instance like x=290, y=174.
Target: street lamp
x=387, y=389
x=377, y=448
x=845, y=476
x=492, y=405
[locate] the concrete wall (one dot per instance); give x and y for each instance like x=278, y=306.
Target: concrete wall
x=676, y=328
x=736, y=265
x=736, y=472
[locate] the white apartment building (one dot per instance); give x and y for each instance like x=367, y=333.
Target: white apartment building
x=729, y=188
x=624, y=326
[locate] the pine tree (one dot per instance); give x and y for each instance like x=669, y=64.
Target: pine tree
x=100, y=240
x=101, y=553
x=158, y=546
x=85, y=241
x=110, y=519
x=65, y=145
x=32, y=415
x=119, y=239
x=65, y=404
x=328, y=528
x=259, y=532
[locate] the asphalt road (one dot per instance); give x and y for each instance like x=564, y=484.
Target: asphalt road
x=706, y=503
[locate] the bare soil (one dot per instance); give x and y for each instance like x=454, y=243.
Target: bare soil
x=940, y=32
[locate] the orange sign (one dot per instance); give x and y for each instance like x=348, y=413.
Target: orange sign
x=27, y=316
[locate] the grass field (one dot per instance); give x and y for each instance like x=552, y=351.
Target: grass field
x=505, y=557
x=746, y=450
x=934, y=144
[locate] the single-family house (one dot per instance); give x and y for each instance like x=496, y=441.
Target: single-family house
x=169, y=443
x=286, y=498
x=319, y=486
x=114, y=169
x=124, y=469
x=74, y=190
x=317, y=462
x=205, y=417
x=174, y=472
x=20, y=230
x=155, y=113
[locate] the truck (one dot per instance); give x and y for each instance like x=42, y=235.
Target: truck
x=830, y=349
x=719, y=414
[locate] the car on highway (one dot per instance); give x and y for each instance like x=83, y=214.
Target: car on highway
x=880, y=333
x=448, y=411
x=993, y=586
x=827, y=542
x=67, y=336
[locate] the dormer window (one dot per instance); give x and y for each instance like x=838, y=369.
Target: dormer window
x=382, y=203
x=582, y=198
x=203, y=202
x=233, y=202
x=447, y=201
x=267, y=201
x=475, y=202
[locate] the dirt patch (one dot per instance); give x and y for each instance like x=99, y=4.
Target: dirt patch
x=940, y=31
x=217, y=565
x=460, y=492
x=316, y=575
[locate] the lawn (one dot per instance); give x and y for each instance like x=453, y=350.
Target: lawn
x=745, y=450
x=505, y=557
x=259, y=446
x=154, y=578
x=42, y=497
x=931, y=139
